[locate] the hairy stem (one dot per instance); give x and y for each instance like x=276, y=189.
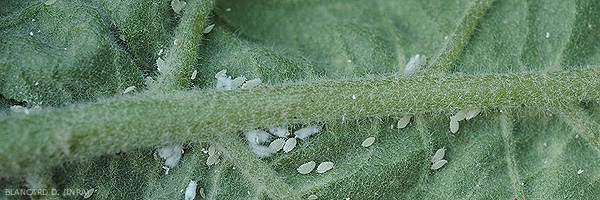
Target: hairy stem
x=155, y=118
x=182, y=56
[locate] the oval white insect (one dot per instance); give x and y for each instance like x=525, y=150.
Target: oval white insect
x=160, y=64
x=208, y=29
x=312, y=197
x=178, y=5
x=277, y=144
x=257, y=136
x=211, y=160
x=404, y=121
x=324, y=167
x=281, y=132
x=289, y=145
x=439, y=154
x=306, y=132
x=438, y=164
x=212, y=150
x=251, y=83
x=221, y=73
x=50, y=2
x=306, y=167
x=194, y=74
x=190, y=191
x=460, y=115
x=129, y=89
x=472, y=113
x=368, y=142
x=453, y=126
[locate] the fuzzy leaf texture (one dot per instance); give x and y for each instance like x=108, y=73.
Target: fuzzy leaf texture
x=530, y=66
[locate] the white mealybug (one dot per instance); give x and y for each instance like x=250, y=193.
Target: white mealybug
x=438, y=164
x=453, y=125
x=208, y=29
x=190, y=191
x=312, y=197
x=277, y=144
x=306, y=167
x=324, y=167
x=439, y=154
x=257, y=136
x=404, y=121
x=368, y=142
x=547, y=34
x=580, y=171
x=194, y=74
x=89, y=193
x=221, y=73
x=237, y=82
x=177, y=5
x=472, y=113
x=289, y=145
x=415, y=64
x=306, y=132
x=251, y=83
x=279, y=131
x=172, y=155
x=129, y=89
x=261, y=151
x=50, y=2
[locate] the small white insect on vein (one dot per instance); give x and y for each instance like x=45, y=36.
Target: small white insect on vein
x=190, y=191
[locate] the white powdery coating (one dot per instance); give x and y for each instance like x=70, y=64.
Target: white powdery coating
x=208, y=29
x=306, y=132
x=439, y=154
x=262, y=151
x=289, y=145
x=438, y=164
x=129, y=89
x=472, y=113
x=257, y=136
x=281, y=132
x=306, y=167
x=453, y=126
x=50, y=2
x=190, y=191
x=368, y=142
x=324, y=167
x=312, y=197
x=237, y=82
x=172, y=154
x=251, y=83
x=404, y=121
x=415, y=64
x=277, y=145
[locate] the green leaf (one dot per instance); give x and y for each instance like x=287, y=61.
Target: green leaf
x=531, y=67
